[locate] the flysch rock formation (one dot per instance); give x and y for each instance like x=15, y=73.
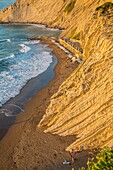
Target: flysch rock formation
x=83, y=105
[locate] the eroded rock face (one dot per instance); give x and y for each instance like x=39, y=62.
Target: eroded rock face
x=53, y=13
x=83, y=105
x=31, y=11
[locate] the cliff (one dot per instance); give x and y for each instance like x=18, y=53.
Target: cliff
x=72, y=15
x=83, y=105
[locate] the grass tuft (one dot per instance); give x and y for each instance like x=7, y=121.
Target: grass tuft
x=70, y=6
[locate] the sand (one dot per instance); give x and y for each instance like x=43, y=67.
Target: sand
x=25, y=146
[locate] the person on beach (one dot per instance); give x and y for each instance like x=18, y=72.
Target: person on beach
x=72, y=154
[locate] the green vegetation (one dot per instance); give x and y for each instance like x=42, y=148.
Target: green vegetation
x=77, y=37
x=99, y=1
x=104, y=160
x=105, y=7
x=70, y=6
x=74, y=35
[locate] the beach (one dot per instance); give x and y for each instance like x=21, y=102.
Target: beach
x=26, y=123
x=25, y=146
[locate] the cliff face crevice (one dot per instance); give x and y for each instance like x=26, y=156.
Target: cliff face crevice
x=83, y=105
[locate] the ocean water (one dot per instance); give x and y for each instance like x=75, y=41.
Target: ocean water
x=20, y=59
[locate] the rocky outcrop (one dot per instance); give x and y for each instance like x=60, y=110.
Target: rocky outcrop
x=83, y=105
x=32, y=11
x=72, y=15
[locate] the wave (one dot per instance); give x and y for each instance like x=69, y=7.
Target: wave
x=24, y=48
x=40, y=25
x=3, y=40
x=8, y=40
x=18, y=74
x=8, y=57
x=52, y=29
x=32, y=42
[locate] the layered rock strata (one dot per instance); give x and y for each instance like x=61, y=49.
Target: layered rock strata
x=83, y=105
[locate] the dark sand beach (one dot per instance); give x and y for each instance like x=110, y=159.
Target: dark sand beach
x=25, y=146
x=16, y=105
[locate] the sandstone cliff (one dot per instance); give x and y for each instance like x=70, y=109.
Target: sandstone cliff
x=83, y=105
x=72, y=15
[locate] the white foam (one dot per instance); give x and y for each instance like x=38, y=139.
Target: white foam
x=40, y=25
x=52, y=29
x=12, y=81
x=8, y=112
x=24, y=48
x=8, y=40
x=8, y=57
x=32, y=42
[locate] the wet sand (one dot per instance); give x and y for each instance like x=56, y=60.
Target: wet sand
x=26, y=147
x=16, y=105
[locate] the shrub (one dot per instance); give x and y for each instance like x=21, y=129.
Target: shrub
x=105, y=6
x=77, y=37
x=104, y=160
x=70, y=6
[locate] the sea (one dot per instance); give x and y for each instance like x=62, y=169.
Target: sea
x=22, y=61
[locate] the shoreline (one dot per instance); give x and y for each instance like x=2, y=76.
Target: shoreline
x=40, y=25
x=34, y=110
x=16, y=105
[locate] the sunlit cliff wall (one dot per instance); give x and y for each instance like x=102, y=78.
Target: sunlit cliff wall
x=83, y=105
